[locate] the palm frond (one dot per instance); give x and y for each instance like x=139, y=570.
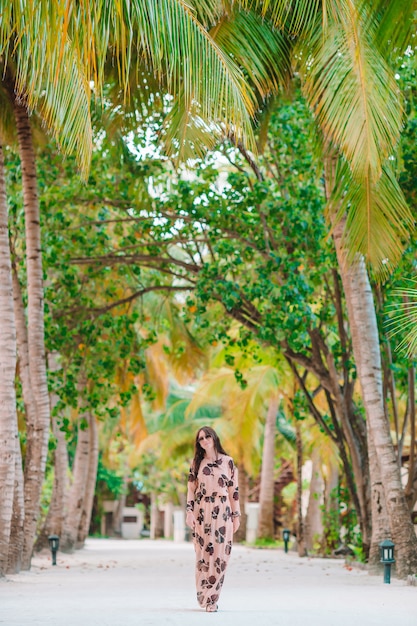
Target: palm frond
x=47, y=74
x=379, y=220
x=296, y=16
x=7, y=123
x=63, y=101
x=353, y=92
x=395, y=24
x=404, y=321
x=157, y=373
x=261, y=50
x=211, y=389
x=187, y=135
x=182, y=52
x=285, y=428
x=209, y=12
x=166, y=33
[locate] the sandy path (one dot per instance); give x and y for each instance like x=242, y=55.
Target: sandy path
x=151, y=583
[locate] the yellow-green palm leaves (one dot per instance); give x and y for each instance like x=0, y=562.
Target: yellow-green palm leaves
x=346, y=54
x=353, y=92
x=46, y=72
x=59, y=38
x=241, y=426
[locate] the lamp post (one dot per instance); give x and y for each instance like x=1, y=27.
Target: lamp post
x=286, y=537
x=54, y=545
x=387, y=558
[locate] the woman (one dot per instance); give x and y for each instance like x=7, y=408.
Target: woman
x=213, y=514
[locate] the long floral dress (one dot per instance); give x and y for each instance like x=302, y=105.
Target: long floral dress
x=213, y=498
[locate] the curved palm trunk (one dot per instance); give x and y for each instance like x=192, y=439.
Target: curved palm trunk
x=266, y=493
x=39, y=433
x=87, y=505
x=8, y=417
x=365, y=341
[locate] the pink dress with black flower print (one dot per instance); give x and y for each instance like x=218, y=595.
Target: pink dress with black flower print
x=213, y=498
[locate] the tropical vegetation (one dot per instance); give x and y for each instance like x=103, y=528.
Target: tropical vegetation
x=215, y=227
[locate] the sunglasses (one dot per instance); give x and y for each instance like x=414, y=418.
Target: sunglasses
x=206, y=437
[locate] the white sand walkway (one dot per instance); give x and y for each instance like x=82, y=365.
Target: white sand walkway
x=151, y=583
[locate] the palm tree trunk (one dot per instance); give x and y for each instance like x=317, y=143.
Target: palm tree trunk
x=87, y=505
x=266, y=492
x=240, y=535
x=32, y=476
x=380, y=521
x=16, y=532
x=365, y=341
x=77, y=491
x=54, y=522
x=314, y=526
x=36, y=341
x=301, y=544
x=410, y=487
x=8, y=417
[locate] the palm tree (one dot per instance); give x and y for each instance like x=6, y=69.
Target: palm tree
x=8, y=416
x=348, y=78
x=190, y=65
x=366, y=348
x=31, y=337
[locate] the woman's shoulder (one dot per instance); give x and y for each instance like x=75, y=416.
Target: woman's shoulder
x=227, y=460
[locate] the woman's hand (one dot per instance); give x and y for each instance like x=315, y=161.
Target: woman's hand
x=190, y=520
x=236, y=523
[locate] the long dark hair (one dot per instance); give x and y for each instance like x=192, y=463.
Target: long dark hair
x=199, y=451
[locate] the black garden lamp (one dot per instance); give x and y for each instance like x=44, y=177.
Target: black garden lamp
x=54, y=545
x=386, y=548
x=286, y=537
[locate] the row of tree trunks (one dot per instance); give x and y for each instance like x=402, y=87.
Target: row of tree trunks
x=354, y=432
x=54, y=521
x=8, y=416
x=348, y=427
x=32, y=365
x=84, y=475
x=39, y=431
x=70, y=509
x=33, y=376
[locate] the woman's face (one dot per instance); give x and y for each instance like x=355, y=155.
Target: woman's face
x=205, y=441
